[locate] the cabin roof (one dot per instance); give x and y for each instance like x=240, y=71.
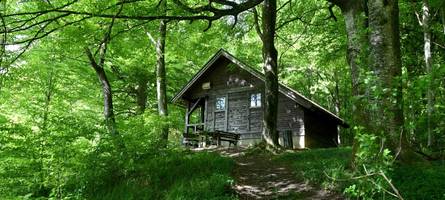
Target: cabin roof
x=285, y=90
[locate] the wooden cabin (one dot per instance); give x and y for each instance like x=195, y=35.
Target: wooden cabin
x=228, y=95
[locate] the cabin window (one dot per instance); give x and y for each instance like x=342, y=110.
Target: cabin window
x=255, y=100
x=220, y=103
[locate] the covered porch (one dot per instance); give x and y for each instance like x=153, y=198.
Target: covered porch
x=196, y=132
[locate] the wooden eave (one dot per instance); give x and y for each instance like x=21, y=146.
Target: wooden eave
x=285, y=90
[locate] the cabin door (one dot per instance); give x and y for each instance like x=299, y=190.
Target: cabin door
x=238, y=112
x=220, y=112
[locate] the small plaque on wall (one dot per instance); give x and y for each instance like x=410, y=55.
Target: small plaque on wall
x=206, y=86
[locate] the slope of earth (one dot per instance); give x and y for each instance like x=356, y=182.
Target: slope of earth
x=257, y=176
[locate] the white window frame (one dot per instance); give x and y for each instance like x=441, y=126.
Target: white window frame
x=223, y=105
x=255, y=100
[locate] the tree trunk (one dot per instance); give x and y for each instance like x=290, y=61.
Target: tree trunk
x=161, y=87
x=110, y=121
x=3, y=65
x=428, y=65
x=141, y=94
x=337, y=103
x=270, y=56
x=355, y=24
x=48, y=95
x=385, y=59
x=442, y=17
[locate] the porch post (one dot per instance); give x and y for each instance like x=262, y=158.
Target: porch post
x=204, y=113
x=187, y=120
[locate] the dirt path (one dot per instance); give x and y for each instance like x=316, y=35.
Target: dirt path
x=258, y=177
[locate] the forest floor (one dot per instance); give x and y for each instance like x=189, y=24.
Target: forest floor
x=258, y=176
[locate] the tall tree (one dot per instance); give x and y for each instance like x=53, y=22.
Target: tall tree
x=161, y=85
x=425, y=23
x=2, y=41
x=270, y=68
x=110, y=120
x=98, y=66
x=161, y=78
x=352, y=11
x=385, y=59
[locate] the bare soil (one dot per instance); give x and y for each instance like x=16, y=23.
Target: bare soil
x=259, y=177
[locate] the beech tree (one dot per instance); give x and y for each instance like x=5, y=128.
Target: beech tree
x=384, y=41
x=381, y=19
x=161, y=79
x=270, y=68
x=98, y=66
x=426, y=26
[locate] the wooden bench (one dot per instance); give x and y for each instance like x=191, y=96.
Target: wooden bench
x=232, y=138
x=194, y=140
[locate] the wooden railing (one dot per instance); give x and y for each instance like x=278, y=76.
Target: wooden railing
x=203, y=138
x=198, y=127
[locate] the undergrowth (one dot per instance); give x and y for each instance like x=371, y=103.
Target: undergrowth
x=314, y=165
x=412, y=181
x=172, y=175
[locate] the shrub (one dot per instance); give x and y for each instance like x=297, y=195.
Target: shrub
x=373, y=162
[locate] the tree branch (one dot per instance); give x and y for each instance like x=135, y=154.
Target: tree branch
x=299, y=18
x=257, y=23
x=151, y=38
x=45, y=17
x=284, y=5
x=206, y=12
x=107, y=38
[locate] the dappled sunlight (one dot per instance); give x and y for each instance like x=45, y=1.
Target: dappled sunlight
x=225, y=151
x=244, y=164
x=259, y=177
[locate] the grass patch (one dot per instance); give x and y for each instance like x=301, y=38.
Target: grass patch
x=173, y=175
x=420, y=181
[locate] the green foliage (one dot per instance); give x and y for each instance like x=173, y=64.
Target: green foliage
x=52, y=138
x=141, y=133
x=372, y=162
x=145, y=172
x=316, y=165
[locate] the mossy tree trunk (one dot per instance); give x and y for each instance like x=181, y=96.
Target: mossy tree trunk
x=385, y=59
x=270, y=57
x=353, y=13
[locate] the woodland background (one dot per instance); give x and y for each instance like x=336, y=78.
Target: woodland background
x=59, y=137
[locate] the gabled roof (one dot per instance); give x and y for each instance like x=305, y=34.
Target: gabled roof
x=285, y=90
